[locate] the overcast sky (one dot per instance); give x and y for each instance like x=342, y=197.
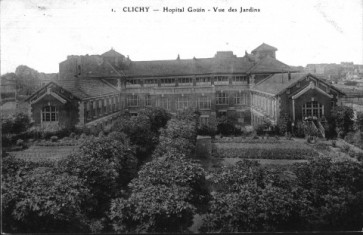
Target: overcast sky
x=41, y=33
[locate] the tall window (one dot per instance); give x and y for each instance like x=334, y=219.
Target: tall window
x=104, y=106
x=313, y=109
x=240, y=98
x=99, y=108
x=133, y=101
x=163, y=103
x=182, y=103
x=204, y=120
x=49, y=114
x=204, y=103
x=147, y=100
x=114, y=104
x=221, y=98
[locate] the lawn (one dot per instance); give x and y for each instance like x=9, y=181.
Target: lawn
x=38, y=153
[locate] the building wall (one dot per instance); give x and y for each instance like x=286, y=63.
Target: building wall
x=311, y=95
x=67, y=113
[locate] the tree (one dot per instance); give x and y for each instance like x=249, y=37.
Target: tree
x=251, y=198
x=359, y=121
x=16, y=124
x=164, y=198
x=343, y=117
x=106, y=166
x=38, y=199
x=158, y=117
x=178, y=136
x=139, y=131
x=335, y=191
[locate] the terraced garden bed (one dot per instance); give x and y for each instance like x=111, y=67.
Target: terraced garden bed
x=40, y=153
x=283, y=150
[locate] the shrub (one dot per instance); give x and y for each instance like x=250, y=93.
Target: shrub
x=164, y=198
x=16, y=124
x=37, y=199
x=251, y=198
x=345, y=148
x=343, y=118
x=105, y=165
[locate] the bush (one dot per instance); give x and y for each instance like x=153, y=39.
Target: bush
x=106, y=166
x=165, y=196
x=343, y=118
x=37, y=199
x=345, y=148
x=16, y=124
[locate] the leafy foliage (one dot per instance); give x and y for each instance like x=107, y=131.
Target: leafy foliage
x=16, y=124
x=140, y=131
x=178, y=136
x=359, y=121
x=284, y=123
x=105, y=165
x=37, y=199
x=158, y=117
x=343, y=117
x=164, y=197
x=320, y=195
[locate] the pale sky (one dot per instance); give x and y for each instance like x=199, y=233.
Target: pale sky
x=41, y=33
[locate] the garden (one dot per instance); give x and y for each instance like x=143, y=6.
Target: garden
x=143, y=177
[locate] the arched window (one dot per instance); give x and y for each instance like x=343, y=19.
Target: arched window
x=49, y=114
x=313, y=109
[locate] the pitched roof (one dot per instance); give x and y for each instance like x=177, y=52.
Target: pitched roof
x=188, y=67
x=265, y=47
x=88, y=87
x=112, y=53
x=277, y=83
x=269, y=65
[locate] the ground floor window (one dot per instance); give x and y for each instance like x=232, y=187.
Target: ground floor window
x=221, y=98
x=182, y=103
x=313, y=109
x=204, y=103
x=133, y=101
x=49, y=114
x=204, y=120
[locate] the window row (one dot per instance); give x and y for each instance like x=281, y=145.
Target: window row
x=183, y=102
x=264, y=104
x=187, y=81
x=101, y=107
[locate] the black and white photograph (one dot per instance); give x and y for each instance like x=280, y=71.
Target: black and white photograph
x=166, y=116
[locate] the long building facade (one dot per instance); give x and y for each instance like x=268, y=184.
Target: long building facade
x=94, y=89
